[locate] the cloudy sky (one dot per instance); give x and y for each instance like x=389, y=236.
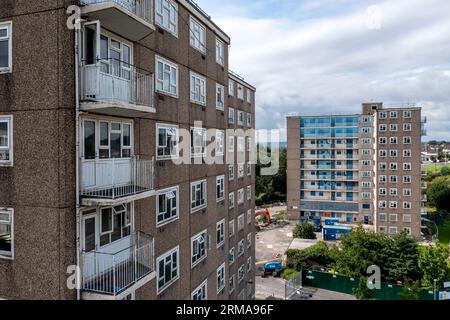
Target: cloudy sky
x=329, y=56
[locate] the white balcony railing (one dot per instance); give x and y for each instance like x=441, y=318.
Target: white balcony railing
x=114, y=81
x=113, y=273
x=140, y=8
x=116, y=178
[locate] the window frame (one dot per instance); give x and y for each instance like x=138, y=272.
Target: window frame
x=194, y=77
x=219, y=224
x=196, y=238
x=204, y=288
x=231, y=205
x=230, y=87
x=220, y=105
x=205, y=195
x=231, y=228
x=8, y=26
x=173, y=66
x=9, y=120
x=5, y=255
x=172, y=4
x=173, y=279
x=166, y=191
x=193, y=23
x=220, y=52
x=222, y=191
x=220, y=278
x=193, y=147
x=166, y=126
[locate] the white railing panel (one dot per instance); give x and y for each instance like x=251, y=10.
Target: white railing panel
x=141, y=8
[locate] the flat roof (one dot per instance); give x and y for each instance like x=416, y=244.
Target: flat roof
x=235, y=77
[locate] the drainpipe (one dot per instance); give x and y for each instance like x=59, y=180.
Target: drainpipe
x=77, y=161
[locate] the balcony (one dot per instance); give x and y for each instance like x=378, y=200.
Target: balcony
x=424, y=184
x=114, y=274
x=110, y=181
x=423, y=132
x=131, y=19
x=112, y=87
x=424, y=119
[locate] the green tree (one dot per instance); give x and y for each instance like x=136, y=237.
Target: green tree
x=433, y=263
x=317, y=255
x=359, y=250
x=362, y=292
x=402, y=256
x=304, y=231
x=439, y=193
x=411, y=291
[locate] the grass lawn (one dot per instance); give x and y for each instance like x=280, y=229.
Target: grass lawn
x=435, y=168
x=444, y=232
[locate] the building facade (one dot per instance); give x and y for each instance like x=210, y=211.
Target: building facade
x=361, y=168
x=106, y=131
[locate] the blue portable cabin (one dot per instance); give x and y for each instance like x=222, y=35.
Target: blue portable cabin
x=331, y=221
x=334, y=233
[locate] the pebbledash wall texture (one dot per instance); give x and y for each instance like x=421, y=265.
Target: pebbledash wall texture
x=91, y=177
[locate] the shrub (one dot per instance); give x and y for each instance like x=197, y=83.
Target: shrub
x=304, y=231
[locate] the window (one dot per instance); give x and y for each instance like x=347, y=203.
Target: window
x=249, y=119
x=382, y=204
x=383, y=153
x=220, y=97
x=241, y=171
x=240, y=144
x=383, y=140
x=249, y=169
x=366, y=195
x=230, y=115
x=393, y=127
x=231, y=87
x=231, y=200
x=115, y=139
x=407, y=192
x=407, y=127
x=220, y=142
x=230, y=172
x=249, y=96
x=6, y=234
x=249, y=241
x=249, y=216
x=6, y=139
x=366, y=152
x=167, y=206
x=366, y=130
x=383, y=127
x=393, y=179
x=232, y=256
x=393, y=218
x=407, y=218
x=249, y=264
x=393, y=192
x=240, y=118
x=220, y=48
x=366, y=184
x=231, y=226
x=407, y=166
x=407, y=205
x=241, y=273
x=406, y=179
x=115, y=223
x=393, y=114
x=393, y=230
x=5, y=47
x=220, y=188
x=393, y=140
x=407, y=230
x=241, y=248
x=393, y=166
x=166, y=77
x=249, y=193
x=197, y=35
x=220, y=233
x=241, y=222
x=393, y=204
x=201, y=293
x=198, y=89
x=240, y=196
x=240, y=92
x=406, y=114
x=406, y=140
x=383, y=217
x=167, y=147
x=383, y=191
x=198, y=142
x=198, y=195
x=168, y=269
x=366, y=141
x=382, y=179
x=383, y=166
x=407, y=153
x=383, y=115
x=198, y=248
x=232, y=283
x=393, y=153
x=383, y=229
x=231, y=144
x=166, y=15
x=221, y=278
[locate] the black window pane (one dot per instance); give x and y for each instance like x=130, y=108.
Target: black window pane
x=115, y=145
x=4, y=54
x=104, y=134
x=89, y=140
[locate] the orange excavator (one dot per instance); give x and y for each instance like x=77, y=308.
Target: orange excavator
x=267, y=213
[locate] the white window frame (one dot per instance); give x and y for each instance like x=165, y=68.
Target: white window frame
x=231, y=228
x=249, y=240
x=241, y=170
x=241, y=222
x=196, y=150
x=407, y=192
x=232, y=256
x=249, y=193
x=170, y=254
x=220, y=52
x=220, y=183
x=249, y=216
x=231, y=112
x=172, y=82
x=407, y=205
x=197, y=35
x=161, y=126
x=393, y=230
x=230, y=87
x=249, y=264
x=232, y=280
x=197, y=238
x=407, y=153
x=393, y=205
x=393, y=127
x=221, y=278
x=220, y=227
x=231, y=200
x=241, y=274
x=231, y=172
x=220, y=97
x=171, y=6
x=10, y=213
x=241, y=144
x=241, y=245
x=240, y=118
x=240, y=91
x=165, y=192
x=407, y=114
x=407, y=127
x=205, y=195
x=248, y=119
x=382, y=217
x=249, y=169
x=231, y=144
x=197, y=88
x=407, y=140
x=407, y=218
x=249, y=96
x=393, y=114
x=240, y=196
x=393, y=217
x=407, y=166
x=382, y=115
x=220, y=143
x=10, y=145
x=201, y=291
x=7, y=25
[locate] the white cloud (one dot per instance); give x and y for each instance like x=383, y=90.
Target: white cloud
x=321, y=57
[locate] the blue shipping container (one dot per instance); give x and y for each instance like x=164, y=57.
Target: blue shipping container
x=331, y=221
x=333, y=233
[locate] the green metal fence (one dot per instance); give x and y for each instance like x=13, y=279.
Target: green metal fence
x=344, y=284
